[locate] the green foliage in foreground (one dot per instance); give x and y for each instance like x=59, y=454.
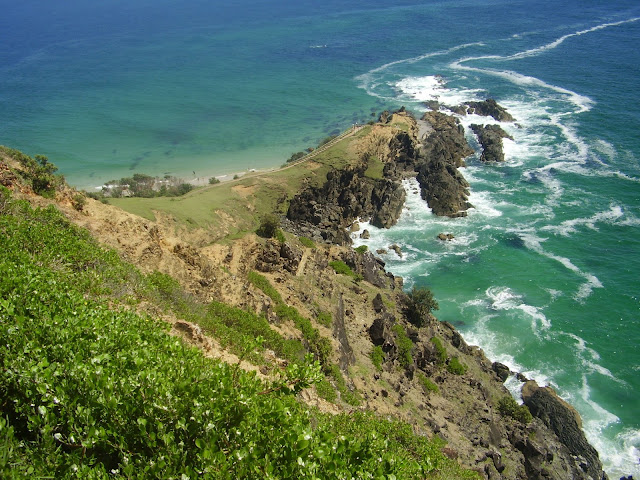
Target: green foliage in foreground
x=89, y=392
x=508, y=407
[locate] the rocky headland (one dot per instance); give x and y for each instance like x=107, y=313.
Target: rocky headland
x=425, y=375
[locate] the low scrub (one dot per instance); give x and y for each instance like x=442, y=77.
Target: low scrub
x=508, y=407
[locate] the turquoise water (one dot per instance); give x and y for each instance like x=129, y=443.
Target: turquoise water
x=543, y=273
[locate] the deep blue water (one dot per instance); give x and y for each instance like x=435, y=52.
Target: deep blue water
x=543, y=273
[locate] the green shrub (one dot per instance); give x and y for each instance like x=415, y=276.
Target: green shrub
x=427, y=384
x=404, y=345
x=420, y=303
x=441, y=353
x=361, y=249
x=307, y=242
x=280, y=236
x=343, y=269
x=349, y=397
x=269, y=226
x=377, y=357
x=78, y=202
x=214, y=181
x=261, y=282
x=325, y=390
x=508, y=406
x=324, y=318
x=456, y=367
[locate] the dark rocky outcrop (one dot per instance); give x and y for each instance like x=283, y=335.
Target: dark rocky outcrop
x=442, y=186
x=489, y=108
x=490, y=138
x=566, y=423
x=344, y=197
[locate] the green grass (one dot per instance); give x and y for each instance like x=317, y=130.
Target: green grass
x=377, y=357
x=222, y=208
x=427, y=385
x=343, y=269
x=404, y=345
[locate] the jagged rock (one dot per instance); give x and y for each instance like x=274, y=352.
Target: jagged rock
x=501, y=370
x=275, y=256
x=566, y=423
x=447, y=141
x=378, y=303
x=489, y=108
x=442, y=186
x=346, y=196
x=444, y=189
x=445, y=237
x=381, y=251
x=490, y=138
x=396, y=248
x=365, y=235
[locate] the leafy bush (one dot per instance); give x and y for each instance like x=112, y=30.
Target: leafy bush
x=508, y=406
x=377, y=357
x=456, y=367
x=404, y=345
x=213, y=181
x=427, y=384
x=90, y=390
x=420, y=303
x=307, y=242
x=343, y=269
x=361, y=249
x=441, y=353
x=269, y=226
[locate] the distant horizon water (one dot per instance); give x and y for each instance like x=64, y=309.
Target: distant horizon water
x=542, y=273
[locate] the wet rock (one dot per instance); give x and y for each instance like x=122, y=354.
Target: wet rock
x=365, y=235
x=565, y=422
x=490, y=138
x=501, y=370
x=445, y=237
x=489, y=108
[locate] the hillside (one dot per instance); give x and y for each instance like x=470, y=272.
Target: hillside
x=193, y=266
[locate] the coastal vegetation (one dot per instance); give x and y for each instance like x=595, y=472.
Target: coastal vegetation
x=93, y=389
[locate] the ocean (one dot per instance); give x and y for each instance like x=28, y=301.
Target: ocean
x=542, y=273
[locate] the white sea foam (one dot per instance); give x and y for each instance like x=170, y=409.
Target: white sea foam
x=534, y=243
x=423, y=89
x=568, y=227
x=504, y=299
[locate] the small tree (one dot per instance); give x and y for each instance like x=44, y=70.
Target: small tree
x=269, y=226
x=420, y=303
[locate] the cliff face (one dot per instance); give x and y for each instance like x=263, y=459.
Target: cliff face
x=346, y=196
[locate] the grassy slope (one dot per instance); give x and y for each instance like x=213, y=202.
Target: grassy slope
x=89, y=389
x=248, y=198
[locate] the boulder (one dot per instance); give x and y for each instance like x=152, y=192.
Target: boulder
x=502, y=371
x=565, y=422
x=490, y=138
x=489, y=108
x=445, y=237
